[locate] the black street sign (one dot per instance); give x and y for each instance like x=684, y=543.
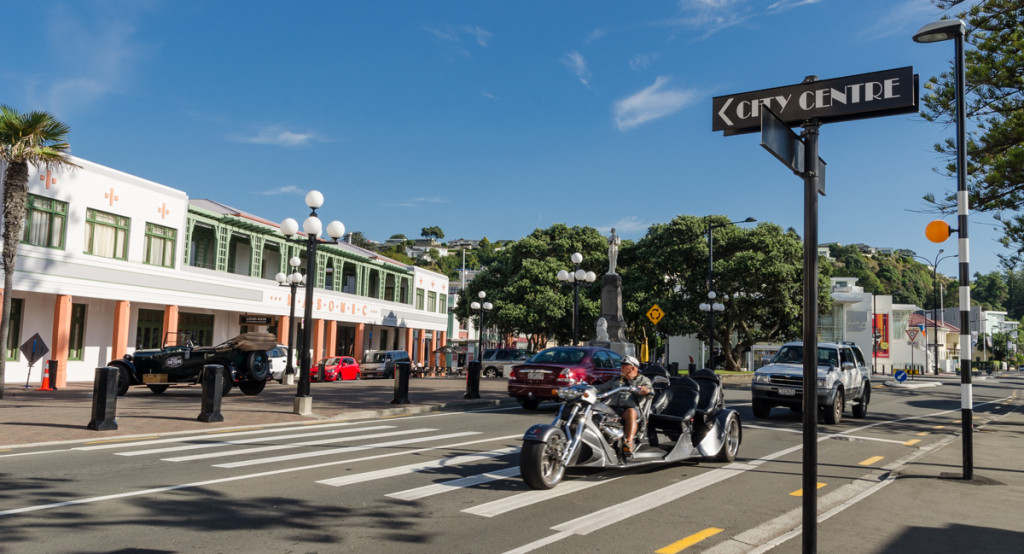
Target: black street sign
x=890, y=92
x=255, y=320
x=34, y=349
x=779, y=140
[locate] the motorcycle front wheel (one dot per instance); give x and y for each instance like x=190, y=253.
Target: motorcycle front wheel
x=540, y=462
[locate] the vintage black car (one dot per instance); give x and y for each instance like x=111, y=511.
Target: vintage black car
x=244, y=359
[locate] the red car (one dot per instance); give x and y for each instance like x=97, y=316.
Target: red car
x=561, y=366
x=344, y=368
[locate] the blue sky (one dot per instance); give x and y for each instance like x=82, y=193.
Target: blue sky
x=486, y=118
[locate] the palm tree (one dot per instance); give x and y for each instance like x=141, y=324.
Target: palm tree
x=35, y=138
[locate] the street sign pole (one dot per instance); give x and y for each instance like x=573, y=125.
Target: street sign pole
x=810, y=477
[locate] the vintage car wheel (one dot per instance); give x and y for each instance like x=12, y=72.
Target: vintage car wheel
x=258, y=365
x=251, y=388
x=158, y=389
x=124, y=380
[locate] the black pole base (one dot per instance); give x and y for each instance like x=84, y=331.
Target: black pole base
x=473, y=380
x=402, y=371
x=213, y=385
x=104, y=400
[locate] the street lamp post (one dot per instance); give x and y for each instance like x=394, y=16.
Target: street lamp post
x=292, y=280
x=711, y=307
x=578, y=277
x=956, y=30
x=935, y=300
x=312, y=226
x=481, y=307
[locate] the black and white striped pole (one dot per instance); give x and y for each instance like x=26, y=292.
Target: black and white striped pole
x=956, y=30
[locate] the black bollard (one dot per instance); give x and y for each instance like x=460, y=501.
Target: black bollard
x=402, y=370
x=53, y=364
x=213, y=385
x=104, y=400
x=473, y=380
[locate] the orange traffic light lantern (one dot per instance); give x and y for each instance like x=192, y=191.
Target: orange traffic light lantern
x=937, y=231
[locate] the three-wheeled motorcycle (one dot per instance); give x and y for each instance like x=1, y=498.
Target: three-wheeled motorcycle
x=686, y=419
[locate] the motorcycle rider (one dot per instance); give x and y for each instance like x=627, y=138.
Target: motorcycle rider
x=627, y=403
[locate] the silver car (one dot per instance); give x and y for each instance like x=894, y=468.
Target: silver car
x=278, y=361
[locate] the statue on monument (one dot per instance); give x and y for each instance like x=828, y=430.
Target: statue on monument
x=602, y=330
x=613, y=251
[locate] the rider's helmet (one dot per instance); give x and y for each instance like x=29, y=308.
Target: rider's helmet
x=630, y=360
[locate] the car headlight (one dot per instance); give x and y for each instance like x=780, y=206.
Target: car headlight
x=762, y=378
x=822, y=383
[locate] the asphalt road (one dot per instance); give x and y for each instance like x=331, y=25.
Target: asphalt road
x=447, y=482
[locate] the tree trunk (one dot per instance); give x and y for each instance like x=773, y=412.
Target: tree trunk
x=15, y=193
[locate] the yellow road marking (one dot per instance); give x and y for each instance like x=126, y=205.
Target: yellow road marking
x=924, y=433
x=872, y=460
x=939, y=427
x=6, y=450
x=800, y=492
x=123, y=440
x=957, y=421
x=911, y=442
x=693, y=539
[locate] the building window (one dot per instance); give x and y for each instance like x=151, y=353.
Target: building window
x=443, y=306
x=431, y=301
x=149, y=330
x=14, y=331
x=160, y=245
x=106, y=235
x=198, y=326
x=240, y=255
x=202, y=251
x=44, y=222
x=76, y=342
x=419, y=299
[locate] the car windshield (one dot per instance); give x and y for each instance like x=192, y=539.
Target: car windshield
x=793, y=354
x=380, y=357
x=559, y=356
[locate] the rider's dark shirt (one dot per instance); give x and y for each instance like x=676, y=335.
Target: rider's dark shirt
x=625, y=399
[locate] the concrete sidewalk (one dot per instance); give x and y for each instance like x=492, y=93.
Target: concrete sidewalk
x=28, y=416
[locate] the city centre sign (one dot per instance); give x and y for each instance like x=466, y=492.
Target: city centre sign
x=890, y=92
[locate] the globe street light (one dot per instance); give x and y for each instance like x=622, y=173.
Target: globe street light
x=711, y=291
x=935, y=300
x=579, y=277
x=956, y=30
x=481, y=307
x=312, y=226
x=292, y=281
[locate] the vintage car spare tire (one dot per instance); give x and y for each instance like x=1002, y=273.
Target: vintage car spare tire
x=258, y=365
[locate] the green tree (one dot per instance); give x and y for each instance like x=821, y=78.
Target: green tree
x=434, y=232
x=995, y=109
x=359, y=239
x=35, y=138
x=989, y=291
x=760, y=269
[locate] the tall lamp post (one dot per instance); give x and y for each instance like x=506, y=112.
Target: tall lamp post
x=577, y=278
x=481, y=307
x=935, y=301
x=711, y=307
x=956, y=30
x=292, y=280
x=312, y=226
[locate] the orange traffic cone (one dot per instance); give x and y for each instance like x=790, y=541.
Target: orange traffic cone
x=46, y=379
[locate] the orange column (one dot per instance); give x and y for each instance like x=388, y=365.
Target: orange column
x=444, y=342
x=61, y=338
x=170, y=320
x=318, y=340
x=420, y=341
x=332, y=338
x=433, y=349
x=357, y=348
x=119, y=342
x=283, y=328
x=408, y=340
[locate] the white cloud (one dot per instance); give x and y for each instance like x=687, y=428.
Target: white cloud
x=482, y=36
x=417, y=202
x=641, y=62
x=275, y=135
x=785, y=5
x=901, y=19
x=290, y=189
x=574, y=61
x=488, y=95
x=454, y=34
x=653, y=102
x=628, y=226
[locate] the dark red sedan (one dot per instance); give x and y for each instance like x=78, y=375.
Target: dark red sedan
x=561, y=366
x=344, y=368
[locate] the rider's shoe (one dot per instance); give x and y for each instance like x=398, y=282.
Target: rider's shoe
x=627, y=448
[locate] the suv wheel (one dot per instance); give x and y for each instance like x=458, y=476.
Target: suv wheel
x=860, y=409
x=834, y=413
x=491, y=372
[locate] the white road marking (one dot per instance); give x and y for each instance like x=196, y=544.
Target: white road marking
x=455, y=484
x=212, y=444
x=419, y=466
x=501, y=506
x=343, y=450
x=208, y=436
x=271, y=448
x=197, y=484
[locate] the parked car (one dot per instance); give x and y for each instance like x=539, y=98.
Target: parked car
x=842, y=377
x=278, y=357
x=561, y=366
x=499, y=361
x=344, y=368
x=244, y=359
x=382, y=363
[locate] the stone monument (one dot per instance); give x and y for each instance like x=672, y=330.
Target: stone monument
x=613, y=330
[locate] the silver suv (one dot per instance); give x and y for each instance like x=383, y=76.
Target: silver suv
x=498, y=362
x=382, y=363
x=842, y=377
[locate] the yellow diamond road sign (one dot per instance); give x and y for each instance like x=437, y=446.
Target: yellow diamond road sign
x=655, y=314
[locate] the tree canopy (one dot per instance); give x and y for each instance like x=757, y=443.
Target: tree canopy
x=434, y=232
